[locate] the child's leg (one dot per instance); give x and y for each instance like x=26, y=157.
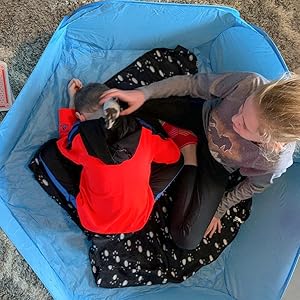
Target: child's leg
x=185, y=140
x=162, y=175
x=65, y=172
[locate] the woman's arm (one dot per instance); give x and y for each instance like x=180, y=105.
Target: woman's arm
x=244, y=190
x=201, y=85
x=182, y=112
x=197, y=85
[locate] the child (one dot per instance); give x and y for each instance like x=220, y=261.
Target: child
x=114, y=189
x=249, y=124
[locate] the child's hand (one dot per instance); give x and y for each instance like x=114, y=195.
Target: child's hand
x=215, y=224
x=73, y=87
x=134, y=98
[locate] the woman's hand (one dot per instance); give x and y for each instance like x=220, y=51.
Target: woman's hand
x=134, y=98
x=215, y=225
x=73, y=87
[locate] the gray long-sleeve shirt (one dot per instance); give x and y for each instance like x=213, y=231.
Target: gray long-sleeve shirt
x=226, y=93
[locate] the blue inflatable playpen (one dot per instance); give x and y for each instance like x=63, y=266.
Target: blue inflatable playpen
x=92, y=44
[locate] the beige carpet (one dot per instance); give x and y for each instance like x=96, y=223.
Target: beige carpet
x=25, y=28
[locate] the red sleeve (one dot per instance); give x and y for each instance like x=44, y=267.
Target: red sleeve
x=66, y=119
x=165, y=150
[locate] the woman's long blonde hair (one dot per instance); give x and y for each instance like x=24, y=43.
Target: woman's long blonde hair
x=279, y=107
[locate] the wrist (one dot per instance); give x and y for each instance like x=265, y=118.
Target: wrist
x=219, y=214
x=146, y=93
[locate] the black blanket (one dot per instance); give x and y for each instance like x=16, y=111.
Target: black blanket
x=149, y=256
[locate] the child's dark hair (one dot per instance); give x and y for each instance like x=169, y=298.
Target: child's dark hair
x=87, y=98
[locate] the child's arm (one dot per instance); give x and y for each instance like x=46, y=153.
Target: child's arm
x=66, y=119
x=73, y=87
x=67, y=116
x=201, y=85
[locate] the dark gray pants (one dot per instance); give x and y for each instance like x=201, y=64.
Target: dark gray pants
x=198, y=190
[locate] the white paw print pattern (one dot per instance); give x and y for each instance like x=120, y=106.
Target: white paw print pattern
x=159, y=258
x=94, y=269
x=179, y=63
x=128, y=245
x=191, y=57
x=164, y=247
x=40, y=179
x=174, y=273
x=138, y=266
x=132, y=79
x=121, y=237
x=190, y=257
x=206, y=241
x=158, y=56
x=238, y=220
x=161, y=73
x=160, y=273
x=119, y=79
x=116, y=256
x=139, y=66
x=138, y=246
x=70, y=206
x=157, y=218
x=56, y=199
x=149, y=255
x=232, y=229
x=114, y=279
x=99, y=281
x=171, y=74
x=149, y=66
x=217, y=245
x=124, y=283
x=170, y=59
x=173, y=254
x=94, y=248
x=198, y=248
x=165, y=210
x=165, y=232
x=127, y=264
x=105, y=255
x=183, y=262
x=150, y=236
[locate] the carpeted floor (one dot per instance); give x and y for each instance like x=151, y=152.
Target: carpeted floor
x=25, y=28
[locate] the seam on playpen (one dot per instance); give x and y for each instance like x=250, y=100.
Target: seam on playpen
x=290, y=274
